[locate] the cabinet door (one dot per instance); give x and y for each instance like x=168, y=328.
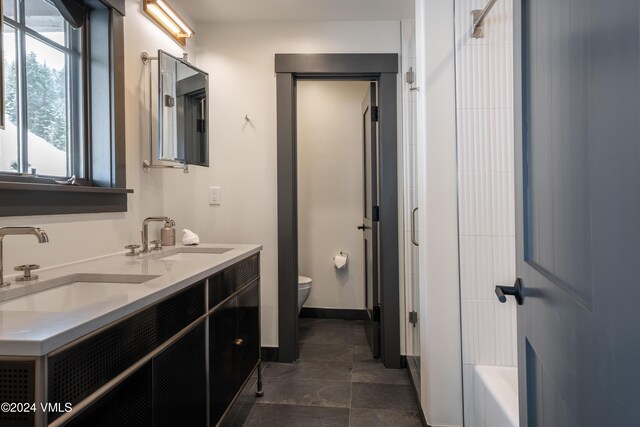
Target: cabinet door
x=223, y=327
x=248, y=348
x=179, y=382
x=129, y=404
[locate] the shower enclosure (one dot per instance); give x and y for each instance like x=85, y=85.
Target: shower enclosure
x=410, y=206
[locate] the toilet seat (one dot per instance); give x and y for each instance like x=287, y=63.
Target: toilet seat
x=304, y=290
x=304, y=280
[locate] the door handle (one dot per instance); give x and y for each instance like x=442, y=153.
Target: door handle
x=413, y=227
x=362, y=227
x=517, y=291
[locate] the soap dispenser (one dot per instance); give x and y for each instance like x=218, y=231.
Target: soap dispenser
x=168, y=235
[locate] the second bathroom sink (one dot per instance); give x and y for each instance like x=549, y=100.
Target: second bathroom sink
x=190, y=253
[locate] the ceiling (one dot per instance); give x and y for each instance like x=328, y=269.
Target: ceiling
x=295, y=10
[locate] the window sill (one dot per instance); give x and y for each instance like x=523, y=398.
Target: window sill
x=22, y=199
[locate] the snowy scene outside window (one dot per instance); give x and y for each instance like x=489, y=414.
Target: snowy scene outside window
x=43, y=91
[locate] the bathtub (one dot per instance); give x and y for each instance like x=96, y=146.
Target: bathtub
x=495, y=396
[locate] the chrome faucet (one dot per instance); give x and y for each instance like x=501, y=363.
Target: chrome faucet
x=12, y=231
x=145, y=229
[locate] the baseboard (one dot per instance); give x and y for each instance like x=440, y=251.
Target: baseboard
x=333, y=313
x=269, y=354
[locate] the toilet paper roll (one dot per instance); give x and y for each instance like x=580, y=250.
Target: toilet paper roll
x=340, y=261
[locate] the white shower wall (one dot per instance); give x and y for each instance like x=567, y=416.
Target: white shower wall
x=484, y=74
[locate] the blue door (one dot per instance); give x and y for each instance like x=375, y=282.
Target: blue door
x=577, y=93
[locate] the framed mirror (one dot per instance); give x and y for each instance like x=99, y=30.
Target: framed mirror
x=183, y=131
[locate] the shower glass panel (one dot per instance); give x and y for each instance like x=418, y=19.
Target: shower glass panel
x=411, y=213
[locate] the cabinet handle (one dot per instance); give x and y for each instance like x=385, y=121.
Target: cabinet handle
x=238, y=342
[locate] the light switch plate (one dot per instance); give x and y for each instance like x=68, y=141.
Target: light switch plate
x=215, y=195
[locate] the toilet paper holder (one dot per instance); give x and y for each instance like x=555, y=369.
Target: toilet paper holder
x=342, y=263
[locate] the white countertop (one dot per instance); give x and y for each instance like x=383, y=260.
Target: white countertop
x=34, y=326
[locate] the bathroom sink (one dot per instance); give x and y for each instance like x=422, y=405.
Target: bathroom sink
x=77, y=291
x=190, y=254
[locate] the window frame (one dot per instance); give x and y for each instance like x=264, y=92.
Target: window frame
x=76, y=158
x=103, y=129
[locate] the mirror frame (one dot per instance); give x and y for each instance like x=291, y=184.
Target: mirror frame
x=2, y=86
x=160, y=105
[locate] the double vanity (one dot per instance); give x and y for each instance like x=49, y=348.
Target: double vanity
x=167, y=338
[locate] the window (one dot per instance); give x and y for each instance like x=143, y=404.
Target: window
x=63, y=69
x=43, y=92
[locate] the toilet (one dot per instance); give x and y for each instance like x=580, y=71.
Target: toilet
x=304, y=289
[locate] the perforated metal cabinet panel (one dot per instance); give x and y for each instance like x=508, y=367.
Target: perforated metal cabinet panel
x=76, y=372
x=223, y=326
x=129, y=404
x=246, y=356
x=17, y=385
x=248, y=353
x=179, y=382
x=222, y=285
x=234, y=348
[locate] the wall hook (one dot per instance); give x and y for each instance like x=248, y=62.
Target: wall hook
x=246, y=117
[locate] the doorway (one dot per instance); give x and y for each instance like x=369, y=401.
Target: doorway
x=381, y=69
x=330, y=196
x=337, y=189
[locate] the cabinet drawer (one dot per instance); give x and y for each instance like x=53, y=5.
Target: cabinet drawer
x=224, y=284
x=79, y=370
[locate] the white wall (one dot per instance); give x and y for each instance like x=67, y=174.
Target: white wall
x=441, y=375
x=330, y=191
x=240, y=60
x=76, y=237
x=484, y=75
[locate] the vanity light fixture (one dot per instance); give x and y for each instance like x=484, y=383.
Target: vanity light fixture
x=168, y=19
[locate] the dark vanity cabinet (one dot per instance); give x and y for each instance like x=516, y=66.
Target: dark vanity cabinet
x=180, y=382
x=170, y=364
x=168, y=391
x=129, y=404
x=248, y=347
x=234, y=342
x=223, y=326
x=90, y=365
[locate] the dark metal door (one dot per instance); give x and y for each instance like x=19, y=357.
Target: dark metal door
x=577, y=93
x=370, y=217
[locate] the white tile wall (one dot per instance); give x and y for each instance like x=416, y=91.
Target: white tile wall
x=484, y=75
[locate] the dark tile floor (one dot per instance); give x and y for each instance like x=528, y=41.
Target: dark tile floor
x=336, y=383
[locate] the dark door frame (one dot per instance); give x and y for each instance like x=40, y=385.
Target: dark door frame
x=382, y=68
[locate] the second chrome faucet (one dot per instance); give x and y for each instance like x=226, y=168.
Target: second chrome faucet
x=168, y=222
